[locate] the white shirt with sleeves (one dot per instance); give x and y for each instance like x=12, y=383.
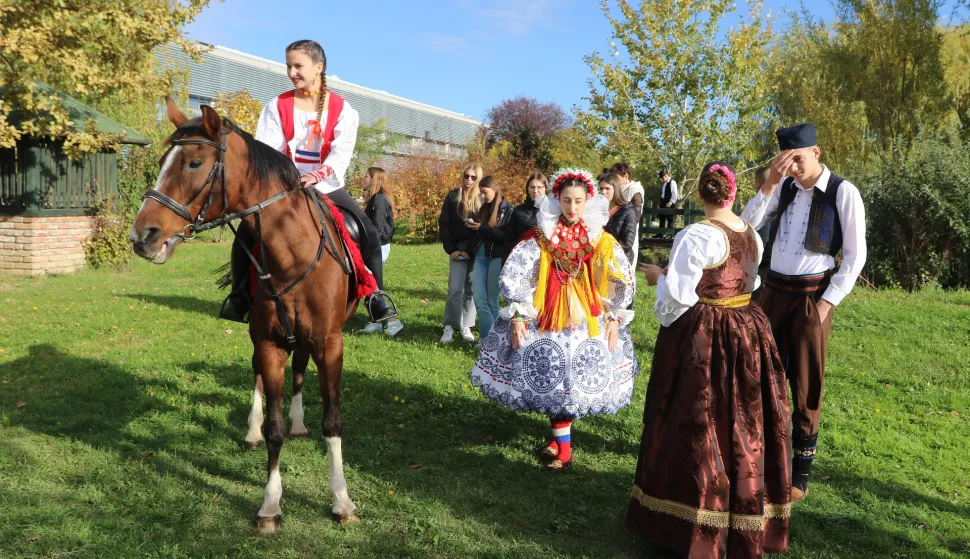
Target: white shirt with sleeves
x=789, y=255
x=672, y=185
x=695, y=248
x=269, y=130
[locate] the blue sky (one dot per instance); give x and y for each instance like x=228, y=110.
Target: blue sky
x=461, y=55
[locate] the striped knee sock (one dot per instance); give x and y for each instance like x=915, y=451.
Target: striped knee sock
x=560, y=431
x=804, y=449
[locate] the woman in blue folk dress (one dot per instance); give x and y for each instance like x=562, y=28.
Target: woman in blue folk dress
x=562, y=346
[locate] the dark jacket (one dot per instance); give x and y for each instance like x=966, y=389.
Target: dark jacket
x=521, y=220
x=381, y=213
x=493, y=237
x=452, y=230
x=624, y=225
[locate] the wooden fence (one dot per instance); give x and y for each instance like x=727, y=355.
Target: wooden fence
x=663, y=237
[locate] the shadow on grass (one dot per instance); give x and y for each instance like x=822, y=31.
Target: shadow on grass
x=455, y=452
x=190, y=304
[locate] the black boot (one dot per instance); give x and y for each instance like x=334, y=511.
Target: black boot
x=379, y=306
x=237, y=304
x=804, y=456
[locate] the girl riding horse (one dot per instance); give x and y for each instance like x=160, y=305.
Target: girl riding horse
x=317, y=130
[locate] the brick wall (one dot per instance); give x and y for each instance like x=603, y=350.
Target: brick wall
x=42, y=245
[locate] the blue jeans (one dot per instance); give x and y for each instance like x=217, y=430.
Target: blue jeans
x=485, y=275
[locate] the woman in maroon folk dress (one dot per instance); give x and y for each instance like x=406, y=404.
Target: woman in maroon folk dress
x=713, y=477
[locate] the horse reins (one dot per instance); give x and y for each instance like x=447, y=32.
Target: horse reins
x=198, y=225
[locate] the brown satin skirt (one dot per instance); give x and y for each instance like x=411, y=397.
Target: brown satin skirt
x=713, y=478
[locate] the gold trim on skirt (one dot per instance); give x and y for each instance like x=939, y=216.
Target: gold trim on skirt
x=735, y=302
x=712, y=518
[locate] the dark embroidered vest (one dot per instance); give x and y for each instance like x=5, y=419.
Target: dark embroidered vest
x=665, y=193
x=824, y=232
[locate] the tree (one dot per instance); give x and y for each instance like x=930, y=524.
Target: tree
x=808, y=88
x=685, y=88
x=956, y=65
x=527, y=125
x=890, y=58
x=572, y=147
x=373, y=142
x=239, y=107
x=90, y=49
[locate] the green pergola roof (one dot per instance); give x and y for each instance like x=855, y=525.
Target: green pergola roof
x=80, y=113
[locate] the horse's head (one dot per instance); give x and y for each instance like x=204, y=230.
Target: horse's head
x=190, y=177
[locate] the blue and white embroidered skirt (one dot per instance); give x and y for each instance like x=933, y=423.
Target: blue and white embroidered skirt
x=559, y=374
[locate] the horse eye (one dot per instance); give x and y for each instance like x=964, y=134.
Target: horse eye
x=195, y=164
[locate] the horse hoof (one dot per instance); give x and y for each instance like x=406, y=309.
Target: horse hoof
x=268, y=525
x=252, y=445
x=348, y=517
x=303, y=435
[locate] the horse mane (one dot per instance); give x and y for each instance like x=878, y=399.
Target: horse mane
x=264, y=162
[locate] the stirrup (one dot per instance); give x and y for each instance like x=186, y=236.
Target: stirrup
x=228, y=311
x=389, y=314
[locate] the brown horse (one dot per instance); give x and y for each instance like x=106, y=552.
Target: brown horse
x=214, y=169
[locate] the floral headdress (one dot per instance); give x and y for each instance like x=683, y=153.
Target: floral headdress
x=565, y=174
x=732, y=182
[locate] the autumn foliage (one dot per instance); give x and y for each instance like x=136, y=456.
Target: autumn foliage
x=421, y=184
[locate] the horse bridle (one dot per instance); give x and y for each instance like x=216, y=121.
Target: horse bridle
x=197, y=225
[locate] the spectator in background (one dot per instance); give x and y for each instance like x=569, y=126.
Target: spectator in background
x=379, y=207
x=668, y=197
x=488, y=246
x=461, y=205
x=632, y=190
x=523, y=217
x=624, y=221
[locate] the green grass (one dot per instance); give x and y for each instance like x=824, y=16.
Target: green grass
x=123, y=404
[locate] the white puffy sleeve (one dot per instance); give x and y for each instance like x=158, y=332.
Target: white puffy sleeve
x=519, y=278
x=622, y=287
x=695, y=248
x=269, y=130
x=331, y=175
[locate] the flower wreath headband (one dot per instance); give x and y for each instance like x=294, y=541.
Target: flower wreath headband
x=585, y=177
x=732, y=182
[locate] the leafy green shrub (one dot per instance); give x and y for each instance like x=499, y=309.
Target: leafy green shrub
x=108, y=244
x=918, y=209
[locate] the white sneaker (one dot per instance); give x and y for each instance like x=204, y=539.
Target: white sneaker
x=447, y=335
x=371, y=328
x=393, y=327
x=466, y=333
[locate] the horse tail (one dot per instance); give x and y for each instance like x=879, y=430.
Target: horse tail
x=225, y=275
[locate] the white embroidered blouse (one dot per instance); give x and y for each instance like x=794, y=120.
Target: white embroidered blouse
x=305, y=155
x=695, y=247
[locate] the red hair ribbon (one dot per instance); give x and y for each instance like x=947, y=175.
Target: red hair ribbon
x=315, y=130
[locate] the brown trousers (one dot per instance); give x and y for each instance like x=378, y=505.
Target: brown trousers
x=802, y=339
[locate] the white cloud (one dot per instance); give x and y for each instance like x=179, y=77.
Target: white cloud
x=518, y=17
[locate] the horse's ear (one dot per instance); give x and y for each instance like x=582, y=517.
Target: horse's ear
x=212, y=122
x=174, y=114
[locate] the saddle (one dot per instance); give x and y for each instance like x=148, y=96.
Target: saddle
x=240, y=273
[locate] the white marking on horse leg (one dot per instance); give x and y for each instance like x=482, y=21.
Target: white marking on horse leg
x=297, y=429
x=272, y=495
x=255, y=433
x=343, y=507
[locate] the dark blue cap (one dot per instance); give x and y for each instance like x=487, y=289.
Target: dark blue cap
x=798, y=136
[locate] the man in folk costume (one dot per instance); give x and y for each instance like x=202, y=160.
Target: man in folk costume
x=317, y=130
x=812, y=215
x=668, y=197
